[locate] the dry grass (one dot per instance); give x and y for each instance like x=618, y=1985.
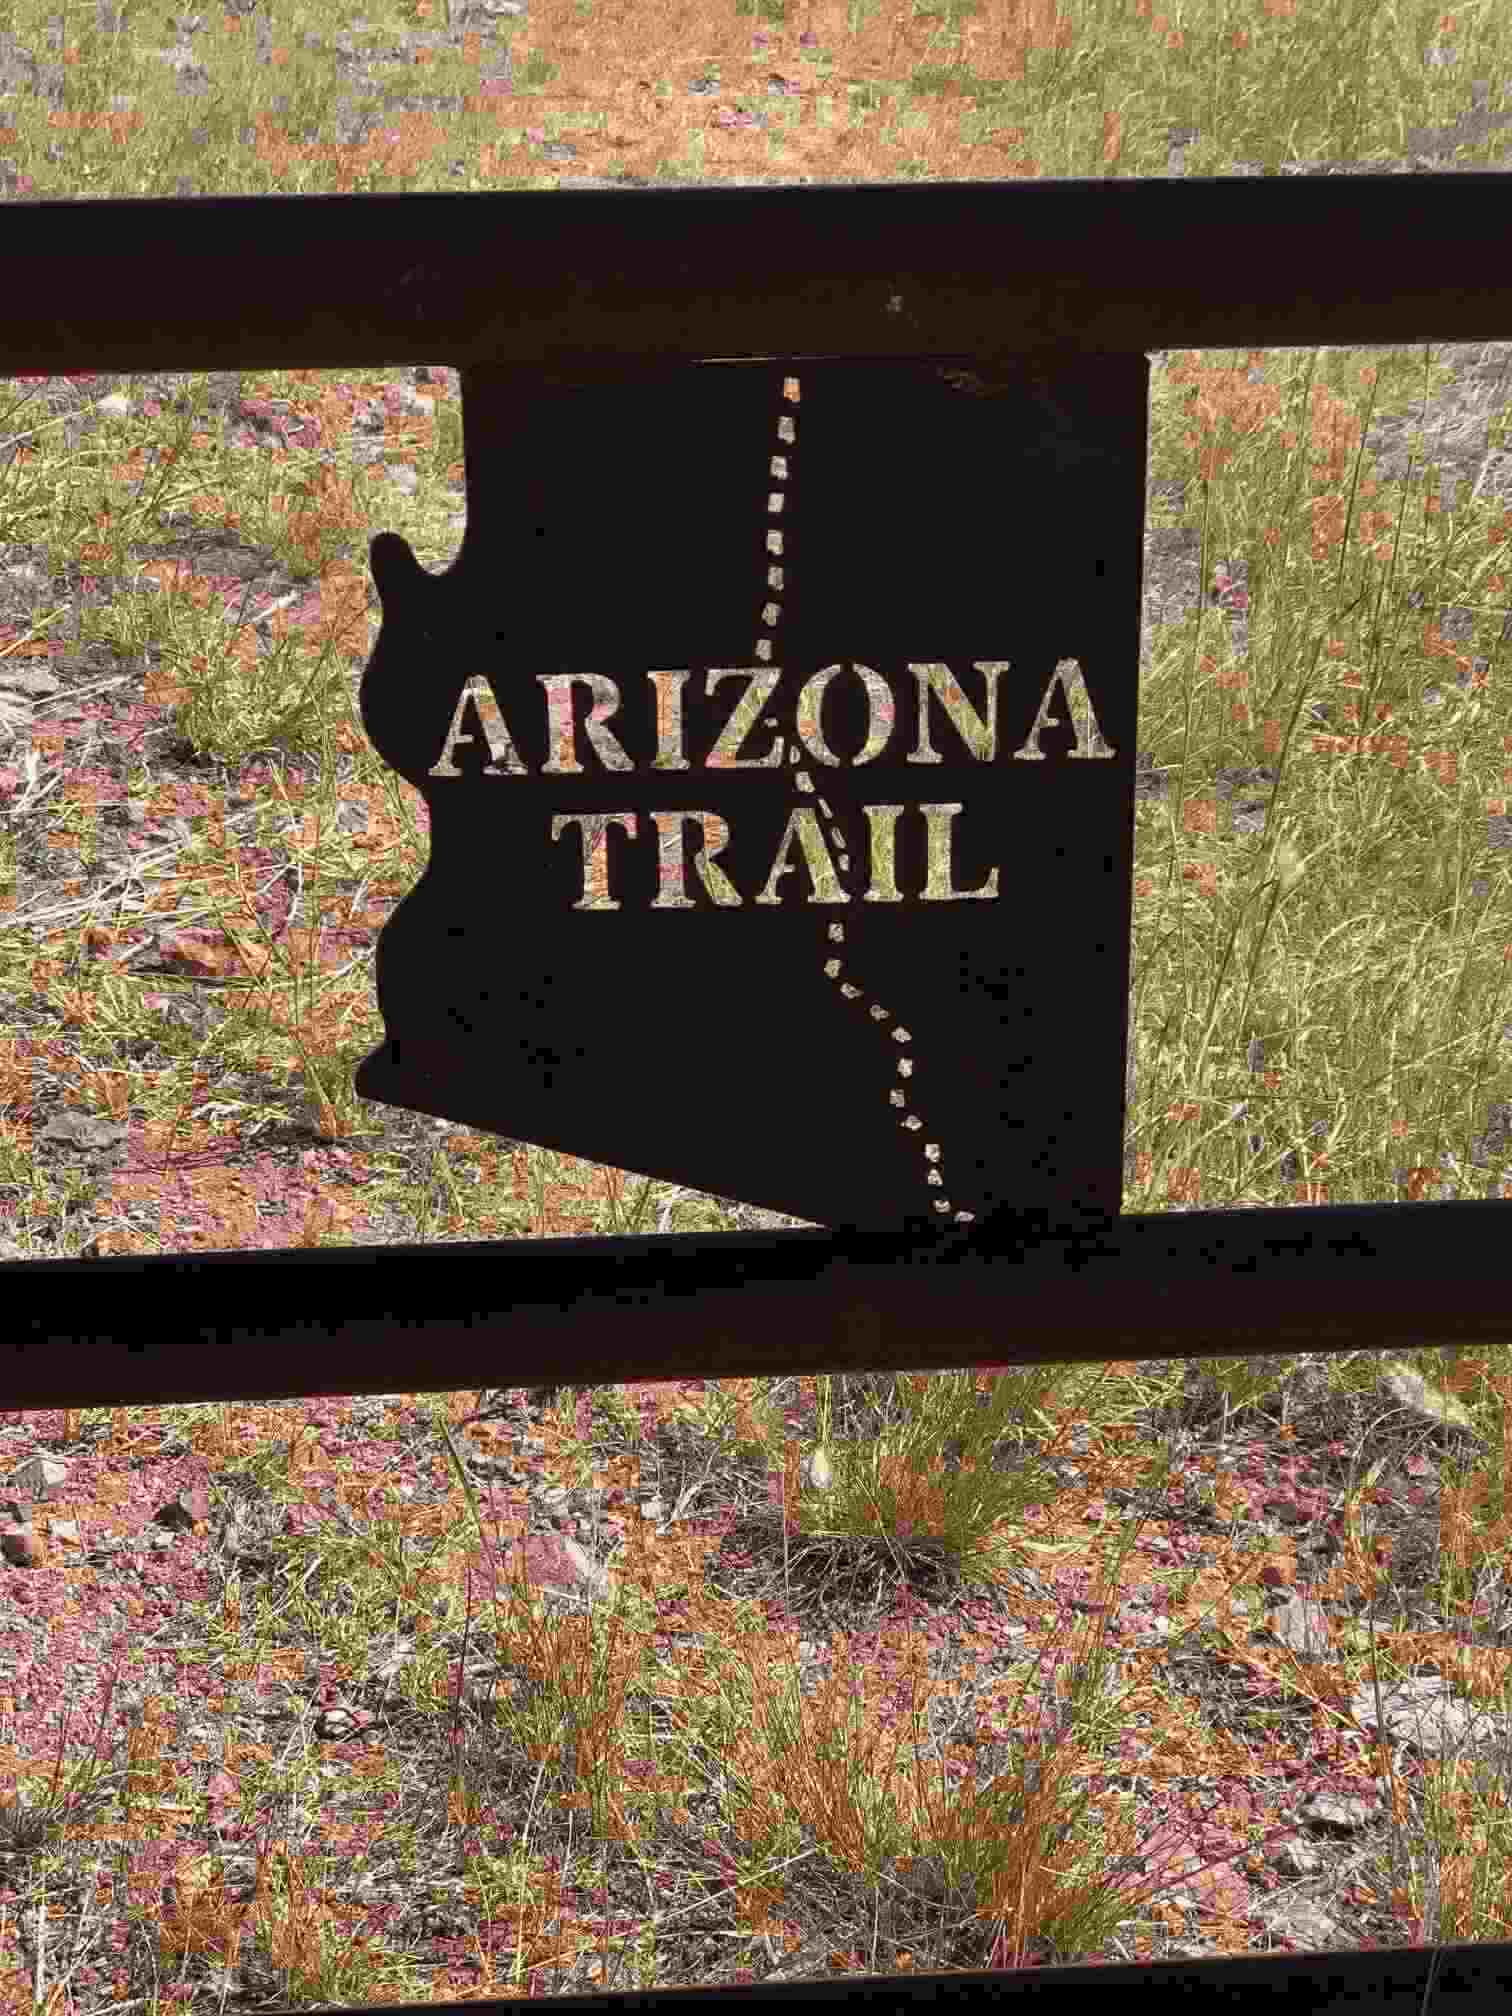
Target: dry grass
x=476, y=1788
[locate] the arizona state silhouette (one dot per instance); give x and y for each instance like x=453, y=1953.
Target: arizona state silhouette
x=776, y=725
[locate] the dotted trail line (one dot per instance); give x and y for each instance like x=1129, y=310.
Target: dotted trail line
x=771, y=616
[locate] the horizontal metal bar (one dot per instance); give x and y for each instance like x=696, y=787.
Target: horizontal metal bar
x=883, y=269
x=1418, y=1979
x=133, y=1331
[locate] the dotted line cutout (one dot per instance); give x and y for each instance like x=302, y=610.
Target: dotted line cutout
x=770, y=615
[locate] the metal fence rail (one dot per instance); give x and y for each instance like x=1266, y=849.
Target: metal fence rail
x=342, y=282
x=525, y=293
x=139, y=1331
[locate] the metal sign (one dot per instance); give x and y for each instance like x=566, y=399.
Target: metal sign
x=943, y=558
x=776, y=727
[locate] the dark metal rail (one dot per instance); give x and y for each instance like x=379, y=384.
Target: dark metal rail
x=870, y=269
x=135, y=1331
